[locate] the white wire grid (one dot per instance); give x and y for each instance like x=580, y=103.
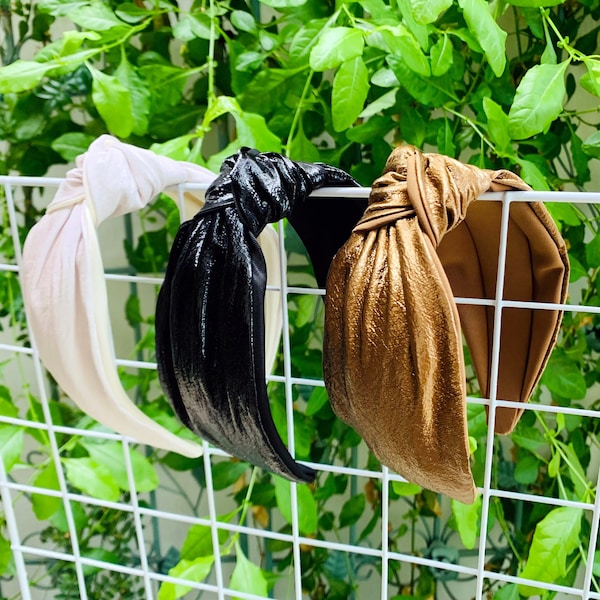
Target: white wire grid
x=216, y=587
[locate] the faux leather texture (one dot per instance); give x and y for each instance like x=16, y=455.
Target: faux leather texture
x=393, y=357
x=210, y=311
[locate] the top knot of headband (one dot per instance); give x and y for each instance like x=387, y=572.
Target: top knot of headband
x=393, y=357
x=63, y=280
x=209, y=315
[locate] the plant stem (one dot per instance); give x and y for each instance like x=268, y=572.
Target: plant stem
x=245, y=505
x=211, y=55
x=298, y=114
x=473, y=126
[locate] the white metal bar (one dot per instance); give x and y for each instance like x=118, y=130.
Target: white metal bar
x=591, y=553
x=289, y=402
x=46, y=412
x=493, y=382
x=13, y=534
x=385, y=519
x=137, y=520
x=212, y=513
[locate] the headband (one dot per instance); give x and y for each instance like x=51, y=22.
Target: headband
x=209, y=315
x=64, y=290
x=393, y=357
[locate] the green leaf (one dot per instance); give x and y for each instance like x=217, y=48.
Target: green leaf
x=11, y=445
x=45, y=506
x=418, y=30
x=548, y=55
x=592, y=252
x=441, y=56
x=306, y=305
x=554, y=465
x=128, y=77
x=555, y=537
x=303, y=149
x=379, y=11
x=316, y=401
x=335, y=46
x=467, y=518
x=226, y=473
x=190, y=27
x=350, y=89
x=405, y=488
x=193, y=570
x=113, y=101
x=497, y=127
x=307, y=508
x=563, y=377
x=535, y=3
x=5, y=555
x=577, y=269
x=283, y=3
x=132, y=13
x=402, y=44
x=221, y=105
x=590, y=81
x=507, y=592
x=596, y=569
x=92, y=478
x=527, y=437
x=7, y=408
x=247, y=577
x=132, y=310
x=198, y=541
x=71, y=145
x=445, y=139
x=538, y=100
x=178, y=148
x=428, y=11
x=59, y=8
x=243, y=21
x=526, y=469
x=352, y=510
x=431, y=91
x=22, y=75
x=576, y=472
x=99, y=554
x=387, y=100
x=305, y=40
x=532, y=175
x=97, y=16
x=488, y=33
x=111, y=456
x=166, y=84
x=580, y=159
x=591, y=145
x=253, y=131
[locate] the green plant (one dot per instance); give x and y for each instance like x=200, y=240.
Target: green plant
x=498, y=84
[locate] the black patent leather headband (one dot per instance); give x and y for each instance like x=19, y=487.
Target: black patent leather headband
x=210, y=311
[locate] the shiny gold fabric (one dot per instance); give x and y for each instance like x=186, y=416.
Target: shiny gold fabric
x=393, y=359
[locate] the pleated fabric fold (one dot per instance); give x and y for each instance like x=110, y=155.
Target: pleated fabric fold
x=393, y=357
x=210, y=312
x=64, y=290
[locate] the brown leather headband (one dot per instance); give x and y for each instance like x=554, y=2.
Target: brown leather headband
x=393, y=359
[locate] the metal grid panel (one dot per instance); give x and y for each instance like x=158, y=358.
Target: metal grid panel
x=145, y=512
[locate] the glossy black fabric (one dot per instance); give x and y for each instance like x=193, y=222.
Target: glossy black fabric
x=210, y=310
x=324, y=225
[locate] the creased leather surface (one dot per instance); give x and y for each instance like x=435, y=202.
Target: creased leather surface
x=393, y=360
x=210, y=310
